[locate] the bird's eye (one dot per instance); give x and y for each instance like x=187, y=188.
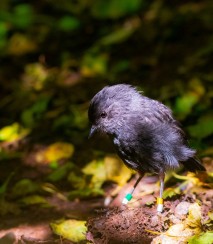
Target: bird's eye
x=103, y=115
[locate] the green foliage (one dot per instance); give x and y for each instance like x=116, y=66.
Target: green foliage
x=22, y=16
x=204, y=238
x=31, y=115
x=24, y=187
x=68, y=23
x=34, y=200
x=60, y=172
x=171, y=192
x=203, y=128
x=132, y=40
x=115, y=8
x=3, y=35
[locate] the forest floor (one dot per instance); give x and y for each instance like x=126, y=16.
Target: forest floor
x=30, y=223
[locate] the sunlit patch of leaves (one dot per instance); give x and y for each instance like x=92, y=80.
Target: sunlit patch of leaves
x=203, y=238
x=191, y=226
x=55, y=152
x=89, y=181
x=13, y=132
x=73, y=230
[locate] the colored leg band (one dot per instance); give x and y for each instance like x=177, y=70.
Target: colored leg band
x=159, y=200
x=127, y=198
x=159, y=204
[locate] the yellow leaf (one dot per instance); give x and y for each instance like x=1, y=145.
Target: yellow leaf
x=98, y=172
x=73, y=230
x=77, y=180
x=94, y=64
x=182, y=232
x=57, y=151
x=35, y=76
x=179, y=230
x=12, y=132
x=171, y=192
x=111, y=168
x=116, y=170
x=194, y=218
x=20, y=44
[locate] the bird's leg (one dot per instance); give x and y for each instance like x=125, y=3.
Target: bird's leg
x=128, y=196
x=160, y=198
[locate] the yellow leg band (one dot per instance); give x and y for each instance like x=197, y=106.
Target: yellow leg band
x=159, y=200
x=160, y=204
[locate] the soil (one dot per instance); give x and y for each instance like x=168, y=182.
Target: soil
x=142, y=224
x=136, y=222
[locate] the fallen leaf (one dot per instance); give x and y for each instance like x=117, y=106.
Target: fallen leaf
x=116, y=170
x=171, y=192
x=34, y=199
x=24, y=187
x=194, y=217
x=13, y=132
x=73, y=230
x=97, y=170
x=204, y=238
x=55, y=152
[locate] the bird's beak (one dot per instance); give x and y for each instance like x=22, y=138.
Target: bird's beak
x=92, y=131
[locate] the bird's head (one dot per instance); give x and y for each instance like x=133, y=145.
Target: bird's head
x=109, y=108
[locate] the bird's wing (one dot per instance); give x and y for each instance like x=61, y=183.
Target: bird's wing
x=156, y=112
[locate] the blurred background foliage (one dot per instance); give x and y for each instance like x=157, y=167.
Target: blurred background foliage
x=55, y=55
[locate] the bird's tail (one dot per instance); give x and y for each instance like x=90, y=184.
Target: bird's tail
x=193, y=164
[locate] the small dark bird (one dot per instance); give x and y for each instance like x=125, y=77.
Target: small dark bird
x=145, y=134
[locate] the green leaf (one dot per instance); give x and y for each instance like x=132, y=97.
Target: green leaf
x=115, y=8
x=23, y=15
x=85, y=193
x=185, y=103
x=30, y=115
x=204, y=238
x=78, y=180
x=34, y=199
x=60, y=172
x=117, y=36
x=73, y=230
x=68, y=23
x=203, y=128
x=171, y=192
x=3, y=34
x=54, y=164
x=24, y=187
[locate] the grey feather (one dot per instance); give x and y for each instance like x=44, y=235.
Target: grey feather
x=143, y=130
